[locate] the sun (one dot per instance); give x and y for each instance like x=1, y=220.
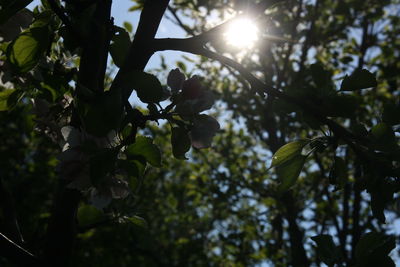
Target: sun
x=241, y=33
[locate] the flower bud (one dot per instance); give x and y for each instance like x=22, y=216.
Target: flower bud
x=192, y=89
x=175, y=80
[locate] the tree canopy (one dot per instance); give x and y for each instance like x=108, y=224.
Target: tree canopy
x=282, y=153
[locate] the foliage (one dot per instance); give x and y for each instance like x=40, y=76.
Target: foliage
x=307, y=156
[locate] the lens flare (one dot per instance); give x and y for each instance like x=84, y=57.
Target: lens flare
x=242, y=33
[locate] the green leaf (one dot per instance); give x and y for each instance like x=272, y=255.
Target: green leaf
x=120, y=46
x=328, y=252
x=128, y=26
x=14, y=98
x=135, y=8
x=138, y=221
x=289, y=171
x=373, y=249
x=25, y=52
x=145, y=148
x=359, y=79
x=88, y=214
x=180, y=142
x=4, y=95
x=287, y=152
x=10, y=7
x=147, y=86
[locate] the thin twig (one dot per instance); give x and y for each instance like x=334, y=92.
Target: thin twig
x=16, y=253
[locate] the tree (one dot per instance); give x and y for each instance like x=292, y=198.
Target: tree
x=54, y=75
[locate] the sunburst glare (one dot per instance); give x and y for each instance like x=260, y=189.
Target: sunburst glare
x=242, y=33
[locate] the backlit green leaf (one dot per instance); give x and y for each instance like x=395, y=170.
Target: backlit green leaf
x=25, y=51
x=128, y=26
x=4, y=97
x=145, y=148
x=287, y=152
x=138, y=221
x=88, y=214
x=289, y=171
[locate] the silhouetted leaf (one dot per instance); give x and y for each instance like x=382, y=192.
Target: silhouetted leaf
x=180, y=142
x=204, y=129
x=321, y=77
x=383, y=137
x=120, y=46
x=20, y=21
x=359, y=79
x=10, y=7
x=191, y=107
x=373, y=249
x=328, y=252
x=391, y=114
x=175, y=80
x=147, y=86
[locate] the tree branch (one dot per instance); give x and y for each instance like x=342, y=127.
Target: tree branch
x=140, y=51
x=93, y=59
x=179, y=22
x=195, y=45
